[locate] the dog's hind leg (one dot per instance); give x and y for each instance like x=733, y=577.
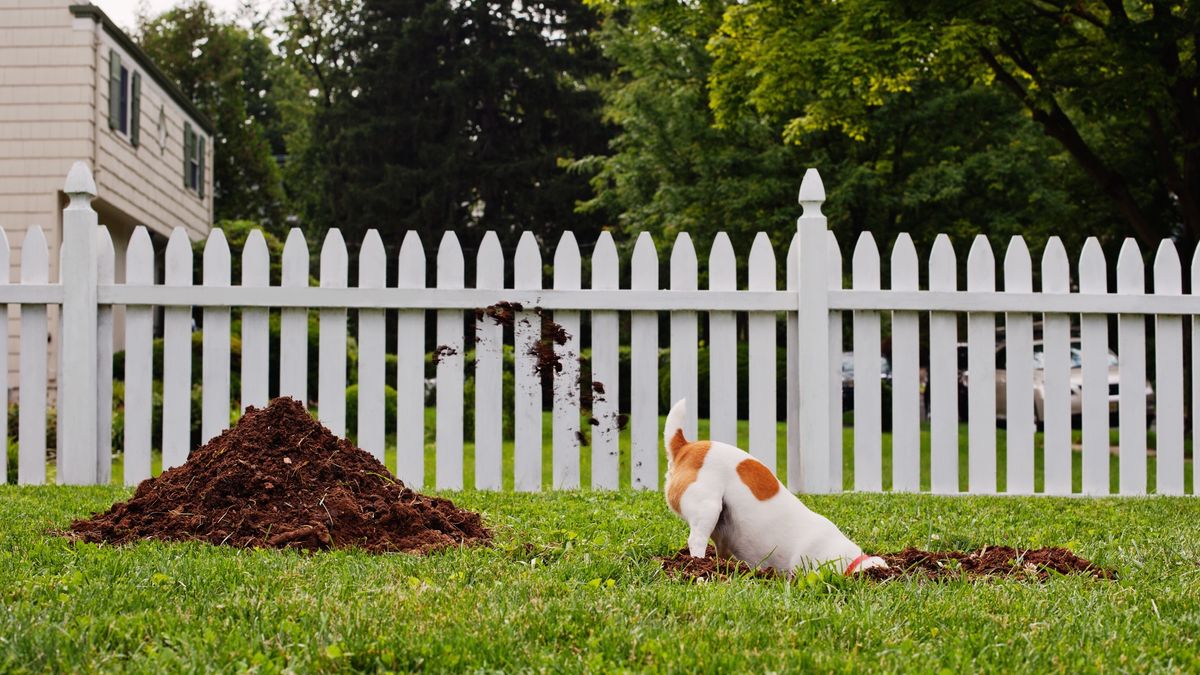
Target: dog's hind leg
x=702, y=514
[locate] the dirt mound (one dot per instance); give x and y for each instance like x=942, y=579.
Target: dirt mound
x=280, y=479
x=989, y=562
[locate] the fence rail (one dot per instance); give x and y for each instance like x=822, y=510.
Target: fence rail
x=1028, y=377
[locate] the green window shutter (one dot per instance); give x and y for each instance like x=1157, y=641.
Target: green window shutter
x=189, y=141
x=114, y=89
x=135, y=109
x=200, y=179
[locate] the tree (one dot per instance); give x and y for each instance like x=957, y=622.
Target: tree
x=433, y=115
x=229, y=74
x=1114, y=85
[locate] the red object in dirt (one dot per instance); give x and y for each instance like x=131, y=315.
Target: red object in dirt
x=855, y=563
x=280, y=479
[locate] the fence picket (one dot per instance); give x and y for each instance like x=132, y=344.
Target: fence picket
x=293, y=322
x=981, y=369
x=684, y=335
x=1093, y=331
x=1168, y=376
x=410, y=368
x=606, y=384
x=256, y=346
x=372, y=324
x=762, y=356
x=331, y=335
x=722, y=346
x=31, y=429
x=643, y=358
x=1018, y=365
x=1131, y=343
x=489, y=371
x=564, y=428
x=449, y=359
x=868, y=408
x=791, y=383
x=837, y=348
x=1195, y=268
x=906, y=385
x=527, y=331
x=106, y=274
x=943, y=373
x=5, y=260
x=177, y=357
x=139, y=360
x=214, y=362
x=1056, y=360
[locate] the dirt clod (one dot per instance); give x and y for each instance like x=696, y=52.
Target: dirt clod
x=280, y=479
x=988, y=562
x=442, y=352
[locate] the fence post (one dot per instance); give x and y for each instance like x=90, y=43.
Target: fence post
x=78, y=341
x=813, y=353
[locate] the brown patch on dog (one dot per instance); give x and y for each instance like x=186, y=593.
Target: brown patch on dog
x=762, y=483
x=684, y=467
x=677, y=442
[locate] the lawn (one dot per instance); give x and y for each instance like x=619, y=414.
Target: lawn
x=571, y=584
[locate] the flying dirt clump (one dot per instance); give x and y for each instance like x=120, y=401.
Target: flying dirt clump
x=279, y=479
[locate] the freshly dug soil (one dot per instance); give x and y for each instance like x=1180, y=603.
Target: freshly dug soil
x=989, y=562
x=280, y=479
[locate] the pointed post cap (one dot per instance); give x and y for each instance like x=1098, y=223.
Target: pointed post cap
x=80, y=185
x=812, y=193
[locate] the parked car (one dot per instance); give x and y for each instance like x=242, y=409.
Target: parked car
x=885, y=377
x=1039, y=382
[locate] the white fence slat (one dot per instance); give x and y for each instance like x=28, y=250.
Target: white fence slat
x=606, y=449
x=372, y=409
x=1168, y=376
x=331, y=336
x=836, y=348
x=762, y=356
x=106, y=273
x=5, y=261
x=644, y=434
x=31, y=430
x=943, y=373
x=449, y=370
x=981, y=370
x=1018, y=364
x=214, y=387
x=564, y=426
x=1093, y=330
x=256, y=346
x=489, y=372
x=685, y=335
x=177, y=357
x=1056, y=359
x=410, y=369
x=722, y=346
x=293, y=323
x=1131, y=343
x=139, y=360
x=527, y=331
x=791, y=383
x=906, y=379
x=868, y=408
x=1195, y=328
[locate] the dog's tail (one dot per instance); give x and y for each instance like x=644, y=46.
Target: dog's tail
x=673, y=437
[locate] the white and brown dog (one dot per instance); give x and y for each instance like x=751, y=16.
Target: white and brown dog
x=724, y=493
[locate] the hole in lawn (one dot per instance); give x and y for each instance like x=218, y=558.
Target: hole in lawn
x=280, y=479
x=988, y=562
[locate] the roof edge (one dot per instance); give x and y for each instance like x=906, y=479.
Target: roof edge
x=127, y=43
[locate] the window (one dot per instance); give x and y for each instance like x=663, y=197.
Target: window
x=124, y=98
x=193, y=159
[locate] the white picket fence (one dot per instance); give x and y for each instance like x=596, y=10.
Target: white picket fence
x=813, y=303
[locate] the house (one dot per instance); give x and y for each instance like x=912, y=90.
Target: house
x=74, y=87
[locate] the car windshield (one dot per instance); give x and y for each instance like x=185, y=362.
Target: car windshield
x=1039, y=358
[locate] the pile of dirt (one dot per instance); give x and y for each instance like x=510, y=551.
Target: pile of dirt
x=280, y=479
x=988, y=562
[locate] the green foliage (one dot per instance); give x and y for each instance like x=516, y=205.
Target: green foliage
x=389, y=410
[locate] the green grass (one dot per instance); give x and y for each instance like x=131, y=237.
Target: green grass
x=571, y=584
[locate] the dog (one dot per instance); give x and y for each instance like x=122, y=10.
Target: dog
x=722, y=492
